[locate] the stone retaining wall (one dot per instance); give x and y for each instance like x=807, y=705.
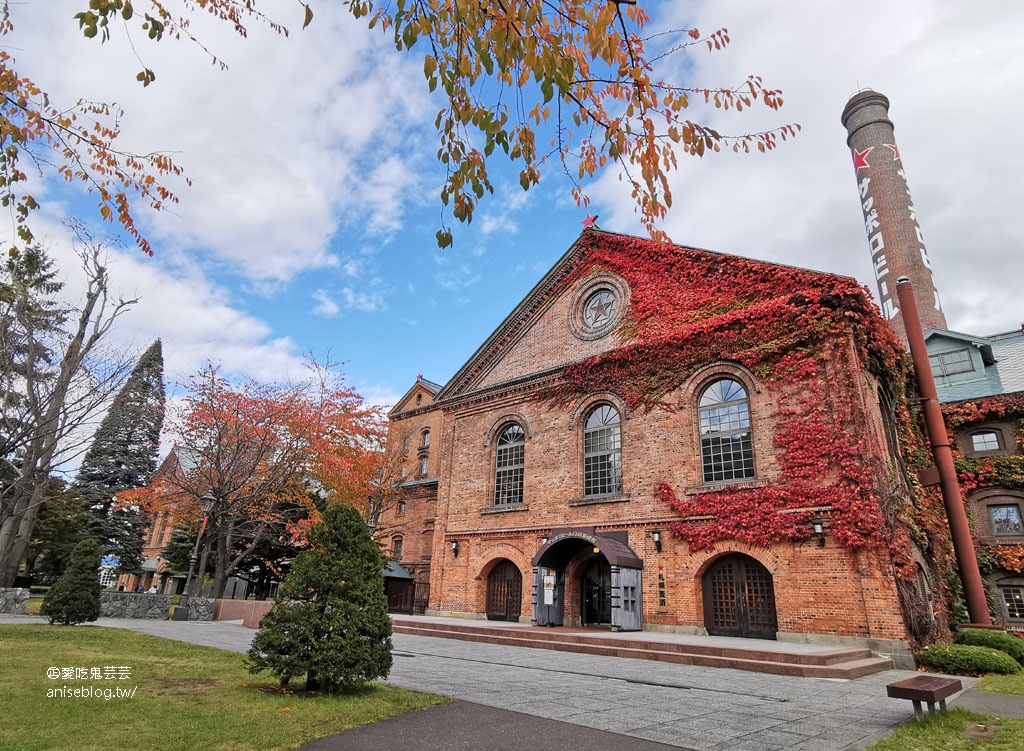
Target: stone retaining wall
x=132, y=605
x=200, y=608
x=12, y=601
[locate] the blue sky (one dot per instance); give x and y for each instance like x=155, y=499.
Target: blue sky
x=310, y=223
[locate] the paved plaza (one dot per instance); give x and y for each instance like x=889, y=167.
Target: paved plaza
x=681, y=706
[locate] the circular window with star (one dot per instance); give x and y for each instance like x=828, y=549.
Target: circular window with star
x=598, y=307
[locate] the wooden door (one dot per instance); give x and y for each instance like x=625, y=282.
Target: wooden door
x=739, y=598
x=504, y=592
x=627, y=604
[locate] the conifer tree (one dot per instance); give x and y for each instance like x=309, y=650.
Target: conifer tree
x=29, y=319
x=75, y=598
x=330, y=622
x=123, y=455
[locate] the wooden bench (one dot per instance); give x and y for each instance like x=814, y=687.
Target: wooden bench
x=925, y=688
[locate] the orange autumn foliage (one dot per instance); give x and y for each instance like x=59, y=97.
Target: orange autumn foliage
x=261, y=450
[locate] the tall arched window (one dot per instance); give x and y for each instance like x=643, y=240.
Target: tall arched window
x=727, y=451
x=510, y=459
x=602, y=452
x=425, y=443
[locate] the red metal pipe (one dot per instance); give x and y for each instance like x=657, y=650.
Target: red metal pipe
x=938, y=436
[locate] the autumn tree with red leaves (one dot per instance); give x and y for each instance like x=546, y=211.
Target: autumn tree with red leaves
x=569, y=84
x=259, y=449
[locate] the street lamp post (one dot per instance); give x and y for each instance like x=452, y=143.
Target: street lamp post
x=181, y=613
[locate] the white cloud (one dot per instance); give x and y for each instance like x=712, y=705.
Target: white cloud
x=275, y=151
x=326, y=307
x=367, y=302
x=197, y=319
x=503, y=211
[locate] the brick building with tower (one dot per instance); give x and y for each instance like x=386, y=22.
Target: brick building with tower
x=665, y=438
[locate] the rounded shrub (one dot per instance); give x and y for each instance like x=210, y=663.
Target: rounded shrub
x=982, y=637
x=75, y=597
x=330, y=623
x=964, y=659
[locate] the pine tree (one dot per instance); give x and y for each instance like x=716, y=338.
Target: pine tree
x=29, y=319
x=75, y=598
x=123, y=455
x=330, y=622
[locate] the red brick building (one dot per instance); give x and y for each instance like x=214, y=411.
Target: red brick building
x=155, y=571
x=665, y=438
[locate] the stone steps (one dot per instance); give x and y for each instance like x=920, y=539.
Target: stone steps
x=827, y=663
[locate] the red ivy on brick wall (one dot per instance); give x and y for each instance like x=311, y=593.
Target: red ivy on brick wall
x=806, y=333
x=995, y=471
x=990, y=472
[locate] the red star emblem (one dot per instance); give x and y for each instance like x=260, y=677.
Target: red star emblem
x=860, y=158
x=600, y=309
x=590, y=221
x=895, y=151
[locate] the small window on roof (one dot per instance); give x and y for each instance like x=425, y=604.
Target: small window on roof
x=949, y=363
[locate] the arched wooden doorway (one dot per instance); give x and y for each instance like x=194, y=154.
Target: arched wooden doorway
x=739, y=598
x=596, y=591
x=504, y=592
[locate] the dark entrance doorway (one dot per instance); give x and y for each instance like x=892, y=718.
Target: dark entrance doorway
x=739, y=598
x=596, y=591
x=504, y=592
x=400, y=595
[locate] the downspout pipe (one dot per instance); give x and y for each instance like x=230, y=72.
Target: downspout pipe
x=938, y=437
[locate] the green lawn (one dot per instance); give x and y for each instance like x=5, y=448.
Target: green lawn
x=186, y=697
x=956, y=730
x=1012, y=685
x=959, y=730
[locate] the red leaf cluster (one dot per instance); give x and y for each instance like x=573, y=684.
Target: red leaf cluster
x=808, y=334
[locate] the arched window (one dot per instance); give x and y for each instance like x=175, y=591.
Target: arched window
x=396, y=548
x=426, y=439
x=423, y=468
x=602, y=452
x=509, y=462
x=726, y=448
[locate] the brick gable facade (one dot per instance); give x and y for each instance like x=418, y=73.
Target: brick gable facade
x=591, y=557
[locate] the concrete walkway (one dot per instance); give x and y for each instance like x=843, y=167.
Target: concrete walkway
x=703, y=709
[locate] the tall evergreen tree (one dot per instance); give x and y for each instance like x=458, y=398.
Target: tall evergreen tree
x=29, y=319
x=123, y=455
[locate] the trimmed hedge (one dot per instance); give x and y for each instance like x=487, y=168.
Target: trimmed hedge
x=963, y=659
x=981, y=637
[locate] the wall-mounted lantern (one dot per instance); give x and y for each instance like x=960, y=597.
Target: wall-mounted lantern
x=819, y=530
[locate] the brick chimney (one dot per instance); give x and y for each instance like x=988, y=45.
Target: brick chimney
x=894, y=236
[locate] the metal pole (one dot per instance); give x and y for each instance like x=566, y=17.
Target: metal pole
x=938, y=436
x=181, y=613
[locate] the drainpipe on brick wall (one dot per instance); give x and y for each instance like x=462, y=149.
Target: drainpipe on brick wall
x=938, y=436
